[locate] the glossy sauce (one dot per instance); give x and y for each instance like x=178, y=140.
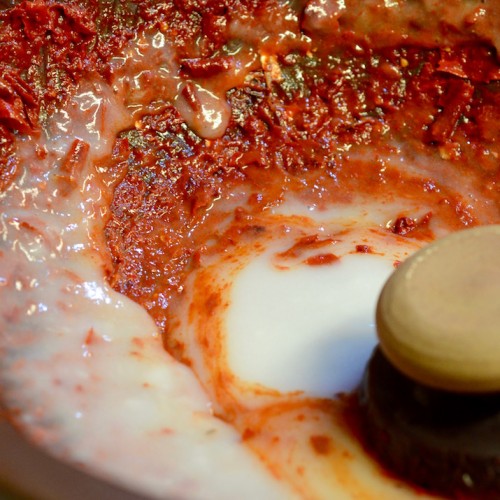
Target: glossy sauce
x=187, y=175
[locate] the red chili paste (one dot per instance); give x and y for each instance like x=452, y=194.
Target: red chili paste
x=327, y=98
x=301, y=132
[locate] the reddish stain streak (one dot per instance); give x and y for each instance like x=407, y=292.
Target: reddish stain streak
x=321, y=444
x=282, y=268
x=213, y=301
x=90, y=338
x=28, y=226
x=247, y=434
x=321, y=259
x=307, y=242
x=138, y=342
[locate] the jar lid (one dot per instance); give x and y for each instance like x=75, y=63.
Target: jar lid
x=438, y=316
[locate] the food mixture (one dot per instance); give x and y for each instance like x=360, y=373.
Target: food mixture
x=152, y=152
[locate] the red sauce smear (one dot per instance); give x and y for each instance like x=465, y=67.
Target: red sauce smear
x=302, y=123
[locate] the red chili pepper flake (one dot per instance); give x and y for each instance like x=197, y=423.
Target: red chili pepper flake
x=189, y=93
x=41, y=152
x=452, y=67
x=203, y=68
x=457, y=97
x=72, y=166
x=406, y=225
x=18, y=107
x=364, y=249
x=403, y=225
x=477, y=63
